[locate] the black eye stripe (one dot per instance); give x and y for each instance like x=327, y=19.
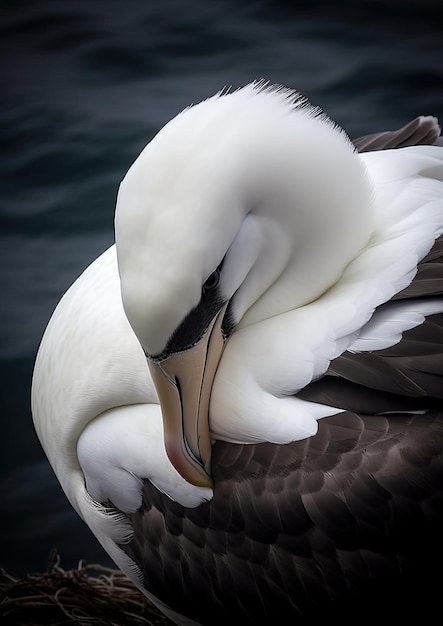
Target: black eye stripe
x=193, y=326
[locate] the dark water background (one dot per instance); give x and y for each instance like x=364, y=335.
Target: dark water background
x=85, y=84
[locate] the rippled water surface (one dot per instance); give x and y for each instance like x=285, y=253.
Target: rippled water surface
x=85, y=86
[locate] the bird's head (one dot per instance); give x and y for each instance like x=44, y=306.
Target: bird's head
x=205, y=232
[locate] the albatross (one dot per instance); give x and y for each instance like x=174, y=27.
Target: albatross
x=243, y=397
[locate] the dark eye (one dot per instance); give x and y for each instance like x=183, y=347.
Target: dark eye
x=212, y=281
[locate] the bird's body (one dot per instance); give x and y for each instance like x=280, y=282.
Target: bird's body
x=251, y=218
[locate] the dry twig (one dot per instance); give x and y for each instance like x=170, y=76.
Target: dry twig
x=90, y=595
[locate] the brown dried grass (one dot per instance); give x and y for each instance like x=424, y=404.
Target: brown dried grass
x=89, y=595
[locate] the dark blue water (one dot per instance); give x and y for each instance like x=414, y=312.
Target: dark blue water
x=84, y=86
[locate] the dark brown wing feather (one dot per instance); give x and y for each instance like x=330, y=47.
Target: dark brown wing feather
x=343, y=525
x=421, y=130
x=409, y=375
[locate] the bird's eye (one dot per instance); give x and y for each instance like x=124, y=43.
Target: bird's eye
x=212, y=281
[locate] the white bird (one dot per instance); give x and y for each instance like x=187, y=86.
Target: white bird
x=243, y=397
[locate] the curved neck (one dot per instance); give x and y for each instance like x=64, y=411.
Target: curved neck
x=311, y=214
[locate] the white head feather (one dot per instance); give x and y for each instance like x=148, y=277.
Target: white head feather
x=258, y=152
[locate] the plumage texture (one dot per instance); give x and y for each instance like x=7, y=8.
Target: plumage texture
x=344, y=523
x=332, y=266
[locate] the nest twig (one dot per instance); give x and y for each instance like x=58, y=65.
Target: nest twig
x=89, y=595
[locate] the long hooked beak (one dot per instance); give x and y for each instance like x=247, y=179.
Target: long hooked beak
x=184, y=383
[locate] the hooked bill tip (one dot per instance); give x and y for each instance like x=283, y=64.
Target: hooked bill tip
x=189, y=469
